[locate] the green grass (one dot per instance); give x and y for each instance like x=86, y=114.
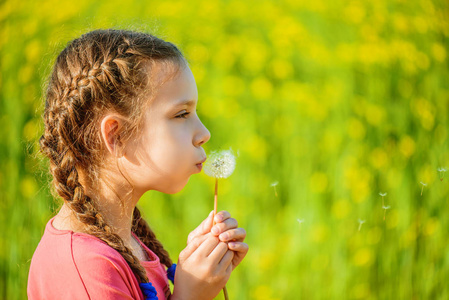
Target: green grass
x=336, y=101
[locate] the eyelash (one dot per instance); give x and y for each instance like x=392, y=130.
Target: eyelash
x=182, y=116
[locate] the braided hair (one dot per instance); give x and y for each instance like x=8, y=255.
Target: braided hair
x=102, y=71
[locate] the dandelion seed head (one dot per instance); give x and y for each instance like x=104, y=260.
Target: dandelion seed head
x=275, y=183
x=382, y=194
x=220, y=164
x=442, y=170
x=424, y=184
x=386, y=207
x=300, y=221
x=361, y=221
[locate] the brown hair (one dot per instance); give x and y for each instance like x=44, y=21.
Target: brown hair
x=102, y=71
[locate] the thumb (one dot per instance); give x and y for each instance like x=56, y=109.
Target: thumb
x=207, y=224
x=203, y=228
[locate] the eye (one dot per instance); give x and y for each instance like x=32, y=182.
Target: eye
x=182, y=116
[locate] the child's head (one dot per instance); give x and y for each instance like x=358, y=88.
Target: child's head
x=169, y=148
x=111, y=98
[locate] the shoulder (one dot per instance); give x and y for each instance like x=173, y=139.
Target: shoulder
x=101, y=267
x=94, y=269
x=90, y=249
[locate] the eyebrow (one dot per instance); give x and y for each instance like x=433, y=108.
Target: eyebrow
x=185, y=102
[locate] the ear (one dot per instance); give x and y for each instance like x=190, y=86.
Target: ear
x=110, y=133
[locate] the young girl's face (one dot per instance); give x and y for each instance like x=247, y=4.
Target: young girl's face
x=169, y=150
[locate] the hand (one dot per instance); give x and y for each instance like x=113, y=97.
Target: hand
x=227, y=231
x=225, y=225
x=203, y=269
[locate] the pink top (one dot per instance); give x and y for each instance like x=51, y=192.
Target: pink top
x=74, y=265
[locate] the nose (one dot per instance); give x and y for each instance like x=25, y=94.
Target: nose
x=202, y=136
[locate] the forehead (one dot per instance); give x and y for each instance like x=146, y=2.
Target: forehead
x=173, y=84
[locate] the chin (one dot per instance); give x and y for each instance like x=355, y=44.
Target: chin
x=173, y=188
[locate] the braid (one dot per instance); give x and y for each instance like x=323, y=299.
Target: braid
x=66, y=181
x=101, y=71
x=86, y=212
x=146, y=235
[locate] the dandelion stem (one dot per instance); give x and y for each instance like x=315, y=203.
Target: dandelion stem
x=275, y=192
x=422, y=189
x=215, y=198
x=225, y=290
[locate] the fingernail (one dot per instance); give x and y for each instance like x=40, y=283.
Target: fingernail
x=211, y=213
x=218, y=218
x=232, y=245
x=215, y=230
x=224, y=236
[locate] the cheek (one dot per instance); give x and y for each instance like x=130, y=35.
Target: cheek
x=170, y=149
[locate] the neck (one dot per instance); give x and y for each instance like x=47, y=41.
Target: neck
x=116, y=208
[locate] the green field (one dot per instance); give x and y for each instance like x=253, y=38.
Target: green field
x=337, y=101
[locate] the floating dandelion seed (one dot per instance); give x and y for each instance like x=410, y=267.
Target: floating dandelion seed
x=383, y=195
x=274, y=184
x=219, y=165
x=442, y=171
x=361, y=223
x=423, y=185
x=300, y=221
x=385, y=207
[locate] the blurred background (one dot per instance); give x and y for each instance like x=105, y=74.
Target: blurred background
x=327, y=103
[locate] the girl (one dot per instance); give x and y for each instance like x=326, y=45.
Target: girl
x=120, y=120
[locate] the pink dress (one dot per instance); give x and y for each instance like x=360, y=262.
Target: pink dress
x=73, y=265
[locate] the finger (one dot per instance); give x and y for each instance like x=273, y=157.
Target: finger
x=230, y=268
x=218, y=252
x=230, y=223
x=238, y=235
x=192, y=246
x=239, y=255
x=226, y=261
x=207, y=224
x=203, y=228
x=207, y=246
x=221, y=216
x=238, y=247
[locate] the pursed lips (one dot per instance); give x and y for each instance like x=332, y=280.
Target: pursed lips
x=200, y=164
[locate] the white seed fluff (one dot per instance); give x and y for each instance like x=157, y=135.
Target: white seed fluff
x=220, y=164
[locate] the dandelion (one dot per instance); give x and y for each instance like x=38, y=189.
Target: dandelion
x=442, y=171
x=274, y=184
x=220, y=165
x=385, y=207
x=423, y=185
x=361, y=223
x=383, y=195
